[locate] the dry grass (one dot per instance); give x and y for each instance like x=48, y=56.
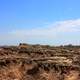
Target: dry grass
x=73, y=75
x=58, y=66
x=19, y=72
x=13, y=72
x=49, y=75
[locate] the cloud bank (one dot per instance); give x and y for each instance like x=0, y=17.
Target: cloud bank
x=60, y=32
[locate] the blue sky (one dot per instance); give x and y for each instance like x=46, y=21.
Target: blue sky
x=53, y=22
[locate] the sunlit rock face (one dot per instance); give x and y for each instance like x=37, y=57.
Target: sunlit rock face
x=39, y=62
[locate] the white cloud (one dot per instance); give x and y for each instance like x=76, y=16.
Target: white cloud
x=50, y=31
x=63, y=30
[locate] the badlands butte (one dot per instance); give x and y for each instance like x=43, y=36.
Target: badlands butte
x=39, y=62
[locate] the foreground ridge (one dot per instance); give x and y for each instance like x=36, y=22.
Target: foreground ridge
x=39, y=62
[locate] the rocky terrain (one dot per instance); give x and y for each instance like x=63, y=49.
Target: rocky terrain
x=39, y=62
